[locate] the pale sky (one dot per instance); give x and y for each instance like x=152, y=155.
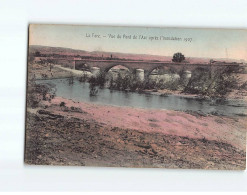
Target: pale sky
x=210, y=43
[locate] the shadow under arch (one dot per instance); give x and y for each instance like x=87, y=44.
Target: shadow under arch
x=163, y=69
x=106, y=69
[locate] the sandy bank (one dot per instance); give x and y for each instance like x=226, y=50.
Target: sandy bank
x=223, y=129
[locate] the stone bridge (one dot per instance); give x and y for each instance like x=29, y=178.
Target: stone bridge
x=146, y=66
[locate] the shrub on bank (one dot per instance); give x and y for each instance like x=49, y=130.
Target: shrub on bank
x=204, y=81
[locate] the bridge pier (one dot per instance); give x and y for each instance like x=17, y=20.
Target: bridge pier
x=140, y=74
x=73, y=65
x=187, y=74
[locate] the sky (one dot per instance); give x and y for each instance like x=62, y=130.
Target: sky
x=209, y=43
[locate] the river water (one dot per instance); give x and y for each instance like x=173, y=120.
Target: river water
x=80, y=92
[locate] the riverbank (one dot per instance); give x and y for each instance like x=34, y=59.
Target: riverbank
x=227, y=129
x=79, y=133
x=80, y=91
x=43, y=72
x=58, y=72
x=234, y=95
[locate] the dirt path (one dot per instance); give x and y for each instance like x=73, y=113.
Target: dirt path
x=76, y=73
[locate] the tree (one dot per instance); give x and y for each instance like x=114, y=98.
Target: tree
x=71, y=79
x=213, y=83
x=178, y=57
x=92, y=86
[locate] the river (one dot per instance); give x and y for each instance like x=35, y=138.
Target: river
x=80, y=92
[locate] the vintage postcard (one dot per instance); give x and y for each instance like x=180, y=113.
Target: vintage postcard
x=136, y=97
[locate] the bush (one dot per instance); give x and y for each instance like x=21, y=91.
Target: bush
x=83, y=78
x=62, y=104
x=35, y=93
x=93, y=82
x=71, y=79
x=217, y=83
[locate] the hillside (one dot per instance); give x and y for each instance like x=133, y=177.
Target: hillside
x=75, y=52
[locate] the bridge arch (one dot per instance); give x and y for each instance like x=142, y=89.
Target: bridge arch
x=107, y=68
x=163, y=69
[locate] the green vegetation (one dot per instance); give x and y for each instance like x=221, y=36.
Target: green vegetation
x=178, y=57
x=204, y=81
x=93, y=81
x=36, y=93
x=71, y=79
x=62, y=104
x=218, y=83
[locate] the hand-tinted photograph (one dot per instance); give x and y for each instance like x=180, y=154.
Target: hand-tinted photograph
x=136, y=97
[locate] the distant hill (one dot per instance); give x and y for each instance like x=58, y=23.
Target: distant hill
x=55, y=50
x=76, y=52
